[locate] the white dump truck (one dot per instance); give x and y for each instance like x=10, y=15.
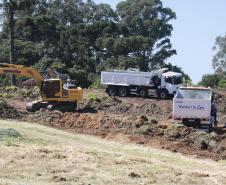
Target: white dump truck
x=194, y=106
x=158, y=83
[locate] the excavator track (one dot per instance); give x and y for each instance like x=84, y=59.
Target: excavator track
x=35, y=106
x=62, y=106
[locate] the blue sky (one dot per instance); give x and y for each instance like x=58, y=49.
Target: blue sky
x=197, y=25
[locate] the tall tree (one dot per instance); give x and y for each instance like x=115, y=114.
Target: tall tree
x=219, y=60
x=149, y=30
x=9, y=8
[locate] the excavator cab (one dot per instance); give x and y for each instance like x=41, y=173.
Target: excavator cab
x=51, y=88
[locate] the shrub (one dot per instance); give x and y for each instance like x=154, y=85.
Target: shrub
x=93, y=97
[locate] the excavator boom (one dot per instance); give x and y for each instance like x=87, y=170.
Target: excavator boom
x=20, y=70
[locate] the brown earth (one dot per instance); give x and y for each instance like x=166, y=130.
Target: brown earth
x=137, y=120
x=8, y=111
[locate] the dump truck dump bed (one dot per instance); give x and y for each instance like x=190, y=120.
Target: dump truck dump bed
x=192, y=104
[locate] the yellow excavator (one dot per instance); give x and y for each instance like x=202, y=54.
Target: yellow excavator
x=54, y=94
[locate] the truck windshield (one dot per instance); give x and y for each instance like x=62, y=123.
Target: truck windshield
x=194, y=94
x=177, y=80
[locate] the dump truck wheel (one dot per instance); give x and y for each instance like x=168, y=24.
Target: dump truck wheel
x=143, y=93
x=112, y=91
x=163, y=94
x=123, y=92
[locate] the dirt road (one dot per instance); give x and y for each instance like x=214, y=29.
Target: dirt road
x=49, y=156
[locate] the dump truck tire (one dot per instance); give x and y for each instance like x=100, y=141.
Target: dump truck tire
x=143, y=93
x=123, y=92
x=112, y=91
x=163, y=94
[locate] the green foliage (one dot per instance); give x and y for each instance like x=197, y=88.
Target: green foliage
x=211, y=80
x=217, y=81
x=28, y=93
x=187, y=82
x=96, y=83
x=222, y=84
x=144, y=130
x=92, y=97
x=9, y=135
x=15, y=92
x=84, y=38
x=80, y=76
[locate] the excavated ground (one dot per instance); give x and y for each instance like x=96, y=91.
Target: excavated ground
x=142, y=121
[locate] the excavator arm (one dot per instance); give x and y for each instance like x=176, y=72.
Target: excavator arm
x=21, y=70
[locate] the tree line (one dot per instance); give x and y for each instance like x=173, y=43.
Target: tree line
x=83, y=38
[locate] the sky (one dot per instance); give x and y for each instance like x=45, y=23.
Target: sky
x=197, y=25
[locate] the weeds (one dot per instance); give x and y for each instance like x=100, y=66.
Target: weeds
x=9, y=136
x=15, y=92
x=93, y=97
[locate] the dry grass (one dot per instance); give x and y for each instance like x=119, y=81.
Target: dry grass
x=49, y=156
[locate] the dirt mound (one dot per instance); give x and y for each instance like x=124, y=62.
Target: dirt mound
x=106, y=104
x=191, y=137
x=92, y=123
x=113, y=105
x=45, y=117
x=7, y=111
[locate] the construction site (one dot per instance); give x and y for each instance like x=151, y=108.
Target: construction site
x=94, y=93
x=136, y=141
x=138, y=127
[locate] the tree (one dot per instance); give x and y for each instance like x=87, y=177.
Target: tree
x=82, y=38
x=148, y=31
x=219, y=60
x=9, y=9
x=211, y=80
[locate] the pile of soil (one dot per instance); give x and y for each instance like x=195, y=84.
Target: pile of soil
x=220, y=98
x=45, y=117
x=114, y=105
x=106, y=104
x=192, y=137
x=7, y=111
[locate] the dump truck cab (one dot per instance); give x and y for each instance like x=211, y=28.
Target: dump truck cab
x=171, y=81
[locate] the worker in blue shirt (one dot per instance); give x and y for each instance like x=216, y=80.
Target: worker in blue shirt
x=213, y=113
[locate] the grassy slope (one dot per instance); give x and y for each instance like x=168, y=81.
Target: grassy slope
x=50, y=156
